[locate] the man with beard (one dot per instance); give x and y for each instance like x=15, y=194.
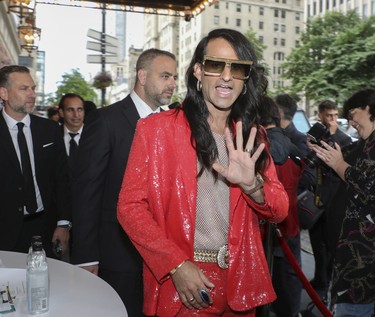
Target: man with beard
x=35, y=193
x=100, y=245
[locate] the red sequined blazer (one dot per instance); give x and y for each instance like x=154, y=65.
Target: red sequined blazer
x=157, y=205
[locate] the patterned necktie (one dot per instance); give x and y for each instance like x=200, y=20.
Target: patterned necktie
x=28, y=188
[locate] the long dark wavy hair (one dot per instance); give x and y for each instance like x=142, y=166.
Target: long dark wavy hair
x=245, y=108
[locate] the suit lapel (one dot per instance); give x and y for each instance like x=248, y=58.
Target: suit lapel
x=130, y=112
x=37, y=142
x=7, y=143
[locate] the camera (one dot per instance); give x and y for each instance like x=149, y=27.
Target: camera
x=318, y=132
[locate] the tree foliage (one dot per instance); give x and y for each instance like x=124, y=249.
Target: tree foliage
x=74, y=82
x=259, y=48
x=336, y=58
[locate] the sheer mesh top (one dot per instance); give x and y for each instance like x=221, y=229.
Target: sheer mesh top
x=212, y=218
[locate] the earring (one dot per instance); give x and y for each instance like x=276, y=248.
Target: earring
x=199, y=85
x=244, y=91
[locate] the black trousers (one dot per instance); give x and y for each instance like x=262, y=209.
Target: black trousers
x=129, y=286
x=286, y=282
x=323, y=259
x=37, y=225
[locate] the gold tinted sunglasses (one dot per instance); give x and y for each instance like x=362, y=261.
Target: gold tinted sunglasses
x=214, y=66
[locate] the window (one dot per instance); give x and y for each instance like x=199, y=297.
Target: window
x=261, y=10
x=275, y=27
x=216, y=19
x=278, y=56
x=296, y=43
x=238, y=22
x=261, y=39
x=275, y=41
x=283, y=28
x=284, y=1
x=217, y=5
x=238, y=7
x=249, y=23
x=276, y=13
x=282, y=42
x=297, y=30
x=283, y=14
x=298, y=16
x=261, y=24
x=249, y=8
x=226, y=20
x=226, y=5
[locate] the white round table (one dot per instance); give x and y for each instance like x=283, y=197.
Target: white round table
x=74, y=292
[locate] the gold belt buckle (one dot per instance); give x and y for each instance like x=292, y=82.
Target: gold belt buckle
x=222, y=256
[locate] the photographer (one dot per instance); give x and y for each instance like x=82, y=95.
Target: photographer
x=326, y=187
x=354, y=206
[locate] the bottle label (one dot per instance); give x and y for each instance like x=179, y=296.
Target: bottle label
x=38, y=299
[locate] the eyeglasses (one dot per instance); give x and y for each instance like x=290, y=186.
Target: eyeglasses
x=214, y=66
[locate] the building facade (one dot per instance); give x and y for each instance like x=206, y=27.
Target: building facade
x=364, y=8
x=277, y=23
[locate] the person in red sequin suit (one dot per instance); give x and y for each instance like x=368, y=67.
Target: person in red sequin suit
x=198, y=180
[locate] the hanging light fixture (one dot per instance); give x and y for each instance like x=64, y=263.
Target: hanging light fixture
x=29, y=34
x=21, y=7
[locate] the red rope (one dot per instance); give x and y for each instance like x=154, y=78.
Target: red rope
x=309, y=289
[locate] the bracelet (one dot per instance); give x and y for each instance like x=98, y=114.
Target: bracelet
x=258, y=186
x=176, y=268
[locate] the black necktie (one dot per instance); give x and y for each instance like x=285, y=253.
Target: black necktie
x=73, y=145
x=28, y=180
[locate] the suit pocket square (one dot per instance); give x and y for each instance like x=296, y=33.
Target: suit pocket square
x=48, y=144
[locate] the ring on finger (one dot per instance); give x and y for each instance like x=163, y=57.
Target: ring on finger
x=191, y=300
x=248, y=151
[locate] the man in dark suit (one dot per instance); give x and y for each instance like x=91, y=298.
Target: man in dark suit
x=100, y=244
x=35, y=193
x=71, y=109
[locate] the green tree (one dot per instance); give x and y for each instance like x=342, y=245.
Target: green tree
x=259, y=46
x=336, y=57
x=74, y=82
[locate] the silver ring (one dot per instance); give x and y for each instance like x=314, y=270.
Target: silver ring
x=191, y=300
x=248, y=151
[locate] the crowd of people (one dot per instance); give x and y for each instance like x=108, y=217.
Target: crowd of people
x=169, y=207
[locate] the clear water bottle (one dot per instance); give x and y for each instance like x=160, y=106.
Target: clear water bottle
x=37, y=281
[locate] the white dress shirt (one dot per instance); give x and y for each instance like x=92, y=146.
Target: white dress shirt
x=67, y=138
x=13, y=129
x=144, y=110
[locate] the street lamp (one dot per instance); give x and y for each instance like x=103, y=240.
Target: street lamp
x=29, y=34
x=21, y=7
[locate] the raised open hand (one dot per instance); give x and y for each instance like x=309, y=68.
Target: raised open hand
x=241, y=168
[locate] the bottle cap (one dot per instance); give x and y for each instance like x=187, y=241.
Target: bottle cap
x=36, y=243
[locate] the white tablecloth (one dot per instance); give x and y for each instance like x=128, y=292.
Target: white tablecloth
x=74, y=292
